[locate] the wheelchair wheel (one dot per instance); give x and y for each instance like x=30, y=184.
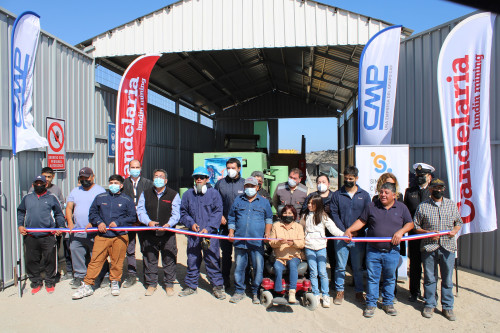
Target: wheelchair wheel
x=266, y=298
x=310, y=301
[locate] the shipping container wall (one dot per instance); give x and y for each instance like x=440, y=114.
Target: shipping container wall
x=417, y=122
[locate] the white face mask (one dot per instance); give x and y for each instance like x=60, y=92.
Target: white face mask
x=292, y=182
x=198, y=188
x=322, y=188
x=232, y=173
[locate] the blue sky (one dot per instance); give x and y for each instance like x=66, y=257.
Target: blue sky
x=77, y=21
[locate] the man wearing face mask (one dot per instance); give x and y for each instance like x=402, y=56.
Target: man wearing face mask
x=434, y=215
x=291, y=193
x=346, y=207
x=108, y=210
x=77, y=214
x=134, y=186
x=323, y=184
x=413, y=197
x=262, y=191
x=229, y=188
x=250, y=217
x=159, y=206
x=40, y=209
x=201, y=212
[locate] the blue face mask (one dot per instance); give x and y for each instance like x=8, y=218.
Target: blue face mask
x=159, y=182
x=250, y=191
x=114, y=188
x=135, y=172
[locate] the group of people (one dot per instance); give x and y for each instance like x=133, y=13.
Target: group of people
x=241, y=210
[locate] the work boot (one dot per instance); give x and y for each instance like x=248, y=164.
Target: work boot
x=369, y=312
x=237, y=297
x=115, y=288
x=339, y=297
x=360, y=297
x=129, y=281
x=427, y=312
x=187, y=291
x=449, y=314
x=389, y=309
x=150, y=291
x=219, y=292
x=291, y=296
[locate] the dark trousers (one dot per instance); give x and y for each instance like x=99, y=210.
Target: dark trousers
x=330, y=253
x=211, y=258
x=415, y=266
x=41, y=254
x=131, y=262
x=67, y=255
x=154, y=245
x=226, y=257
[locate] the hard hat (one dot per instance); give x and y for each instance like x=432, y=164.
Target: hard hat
x=201, y=171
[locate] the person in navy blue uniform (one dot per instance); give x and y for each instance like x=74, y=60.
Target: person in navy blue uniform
x=201, y=212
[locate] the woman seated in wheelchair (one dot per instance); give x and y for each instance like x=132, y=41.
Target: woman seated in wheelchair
x=287, y=249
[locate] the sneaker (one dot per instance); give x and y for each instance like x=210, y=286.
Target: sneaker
x=369, y=312
x=36, y=289
x=255, y=299
x=187, y=291
x=427, y=312
x=219, y=292
x=84, y=291
x=150, y=291
x=360, y=297
x=67, y=276
x=50, y=289
x=76, y=283
x=170, y=291
x=318, y=299
x=129, y=281
x=105, y=282
x=389, y=309
x=291, y=296
x=115, y=288
x=237, y=297
x=449, y=314
x=326, y=301
x=339, y=297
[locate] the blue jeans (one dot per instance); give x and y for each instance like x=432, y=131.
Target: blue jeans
x=357, y=252
x=293, y=273
x=257, y=257
x=380, y=262
x=445, y=260
x=316, y=260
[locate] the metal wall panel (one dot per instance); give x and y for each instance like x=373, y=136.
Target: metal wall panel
x=230, y=126
x=417, y=122
x=195, y=25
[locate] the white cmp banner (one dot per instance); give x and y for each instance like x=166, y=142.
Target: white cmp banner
x=378, y=78
x=25, y=34
x=464, y=98
x=373, y=161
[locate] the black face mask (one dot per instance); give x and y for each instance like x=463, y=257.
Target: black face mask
x=348, y=184
x=421, y=180
x=287, y=219
x=39, y=189
x=437, y=194
x=86, y=183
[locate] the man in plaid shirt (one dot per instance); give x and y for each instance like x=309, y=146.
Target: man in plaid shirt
x=434, y=215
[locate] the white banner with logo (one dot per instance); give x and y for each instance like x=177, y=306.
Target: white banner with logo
x=373, y=161
x=464, y=98
x=378, y=78
x=25, y=34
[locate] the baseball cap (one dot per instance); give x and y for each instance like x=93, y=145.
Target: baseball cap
x=252, y=181
x=85, y=172
x=40, y=178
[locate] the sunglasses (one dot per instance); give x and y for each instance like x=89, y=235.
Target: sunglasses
x=200, y=177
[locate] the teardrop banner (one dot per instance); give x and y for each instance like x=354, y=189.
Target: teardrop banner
x=131, y=113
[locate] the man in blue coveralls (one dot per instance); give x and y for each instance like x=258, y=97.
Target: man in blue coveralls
x=201, y=211
x=249, y=217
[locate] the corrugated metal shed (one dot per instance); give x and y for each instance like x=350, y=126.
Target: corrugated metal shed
x=417, y=122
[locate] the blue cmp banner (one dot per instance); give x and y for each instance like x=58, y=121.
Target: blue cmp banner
x=25, y=34
x=378, y=78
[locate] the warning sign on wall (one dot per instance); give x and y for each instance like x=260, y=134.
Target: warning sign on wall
x=56, y=153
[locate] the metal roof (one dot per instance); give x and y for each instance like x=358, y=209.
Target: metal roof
x=218, y=54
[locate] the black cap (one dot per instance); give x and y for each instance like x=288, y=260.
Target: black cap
x=40, y=178
x=85, y=172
